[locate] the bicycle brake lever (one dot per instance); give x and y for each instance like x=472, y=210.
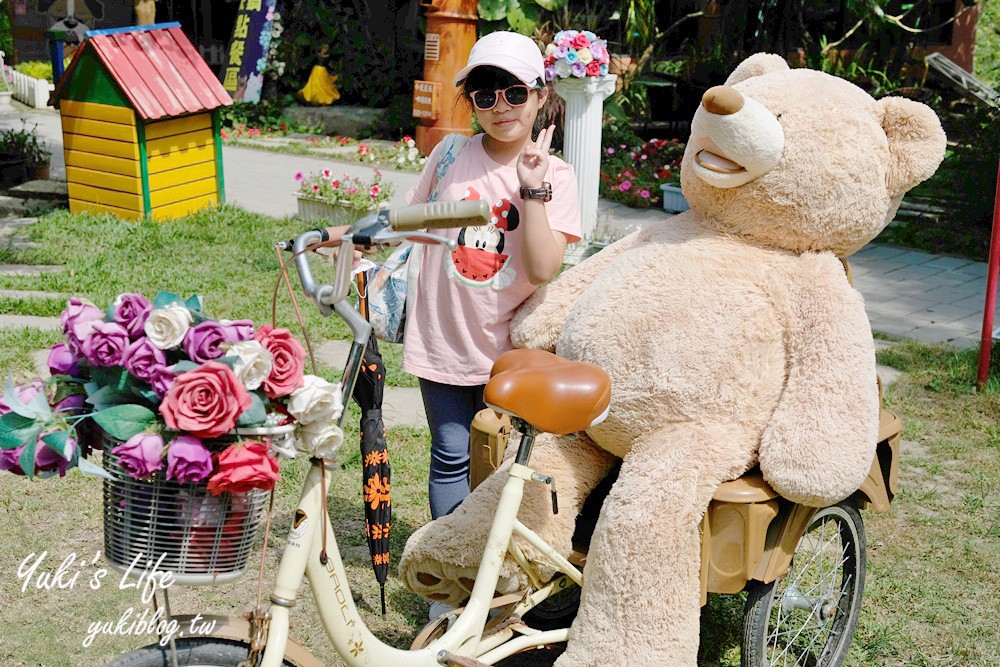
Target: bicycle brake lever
x=548, y=480
x=287, y=245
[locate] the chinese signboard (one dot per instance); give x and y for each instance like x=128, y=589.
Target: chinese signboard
x=243, y=75
x=426, y=99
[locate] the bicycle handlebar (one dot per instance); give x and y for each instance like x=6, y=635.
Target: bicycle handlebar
x=440, y=214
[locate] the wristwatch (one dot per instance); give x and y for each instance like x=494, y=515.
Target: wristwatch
x=544, y=193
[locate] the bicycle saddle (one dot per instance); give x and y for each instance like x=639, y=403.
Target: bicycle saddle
x=552, y=394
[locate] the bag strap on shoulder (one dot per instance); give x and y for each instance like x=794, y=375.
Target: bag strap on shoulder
x=452, y=146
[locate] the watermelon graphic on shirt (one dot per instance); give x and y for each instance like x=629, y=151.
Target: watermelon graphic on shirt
x=479, y=257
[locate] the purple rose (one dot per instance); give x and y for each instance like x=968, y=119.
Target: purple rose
x=24, y=393
x=598, y=51
x=62, y=361
x=72, y=404
x=162, y=381
x=9, y=460
x=49, y=460
x=188, y=461
x=550, y=73
x=579, y=70
x=106, y=344
x=560, y=52
x=235, y=331
x=144, y=360
x=141, y=455
x=76, y=321
x=131, y=311
x=202, y=341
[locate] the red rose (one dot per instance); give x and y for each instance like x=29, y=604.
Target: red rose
x=593, y=68
x=245, y=466
x=581, y=41
x=205, y=402
x=549, y=61
x=288, y=360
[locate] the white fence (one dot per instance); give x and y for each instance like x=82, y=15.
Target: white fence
x=31, y=91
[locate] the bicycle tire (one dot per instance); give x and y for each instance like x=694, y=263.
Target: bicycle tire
x=191, y=652
x=821, y=618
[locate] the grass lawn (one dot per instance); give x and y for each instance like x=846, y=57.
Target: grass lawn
x=933, y=557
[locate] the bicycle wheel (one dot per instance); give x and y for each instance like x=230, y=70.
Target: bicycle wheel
x=807, y=618
x=191, y=652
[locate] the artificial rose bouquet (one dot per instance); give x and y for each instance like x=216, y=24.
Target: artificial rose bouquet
x=166, y=381
x=572, y=53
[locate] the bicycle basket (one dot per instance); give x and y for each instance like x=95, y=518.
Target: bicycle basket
x=200, y=538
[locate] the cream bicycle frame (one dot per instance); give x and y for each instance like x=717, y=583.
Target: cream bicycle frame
x=353, y=641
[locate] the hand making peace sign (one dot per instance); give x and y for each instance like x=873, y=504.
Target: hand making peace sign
x=533, y=161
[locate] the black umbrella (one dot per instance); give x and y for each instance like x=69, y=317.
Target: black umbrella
x=368, y=392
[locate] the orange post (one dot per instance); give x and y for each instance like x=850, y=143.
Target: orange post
x=451, y=32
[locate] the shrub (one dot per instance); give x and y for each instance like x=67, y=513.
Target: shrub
x=633, y=171
x=36, y=69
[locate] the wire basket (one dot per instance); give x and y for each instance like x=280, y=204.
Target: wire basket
x=200, y=538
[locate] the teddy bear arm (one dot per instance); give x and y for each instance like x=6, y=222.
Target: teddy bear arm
x=819, y=444
x=539, y=320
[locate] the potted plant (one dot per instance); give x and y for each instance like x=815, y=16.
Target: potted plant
x=22, y=156
x=339, y=200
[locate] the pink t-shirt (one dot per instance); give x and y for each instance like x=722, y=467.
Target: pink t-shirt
x=460, y=320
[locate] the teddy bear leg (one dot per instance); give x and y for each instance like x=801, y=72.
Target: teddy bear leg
x=441, y=559
x=641, y=594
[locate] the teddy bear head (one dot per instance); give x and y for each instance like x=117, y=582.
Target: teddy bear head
x=802, y=160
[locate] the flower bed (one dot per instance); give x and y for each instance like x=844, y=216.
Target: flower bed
x=634, y=173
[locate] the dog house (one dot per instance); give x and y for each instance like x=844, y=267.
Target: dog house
x=141, y=126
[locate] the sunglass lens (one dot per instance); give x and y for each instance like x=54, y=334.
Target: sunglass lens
x=516, y=95
x=484, y=99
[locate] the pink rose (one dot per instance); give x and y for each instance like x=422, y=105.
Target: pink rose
x=245, y=466
x=141, y=455
x=132, y=311
x=580, y=41
x=24, y=394
x=235, y=331
x=288, y=360
x=593, y=68
x=202, y=341
x=49, y=460
x=188, y=461
x=9, y=460
x=144, y=360
x=75, y=322
x=106, y=344
x=205, y=402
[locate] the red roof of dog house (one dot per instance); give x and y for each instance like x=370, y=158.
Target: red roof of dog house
x=158, y=69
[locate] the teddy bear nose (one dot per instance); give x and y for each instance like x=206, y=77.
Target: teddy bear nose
x=722, y=100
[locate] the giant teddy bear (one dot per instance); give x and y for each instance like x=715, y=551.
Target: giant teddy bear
x=732, y=337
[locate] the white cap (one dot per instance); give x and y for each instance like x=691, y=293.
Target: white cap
x=510, y=51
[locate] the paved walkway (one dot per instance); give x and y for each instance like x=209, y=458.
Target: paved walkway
x=908, y=294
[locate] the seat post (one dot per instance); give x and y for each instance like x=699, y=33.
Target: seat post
x=528, y=433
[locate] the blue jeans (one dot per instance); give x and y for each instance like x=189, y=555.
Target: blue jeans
x=450, y=410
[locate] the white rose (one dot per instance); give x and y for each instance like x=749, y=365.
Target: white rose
x=166, y=326
x=550, y=48
x=584, y=55
x=412, y=154
x=254, y=365
x=283, y=445
x=563, y=69
x=321, y=439
x=316, y=400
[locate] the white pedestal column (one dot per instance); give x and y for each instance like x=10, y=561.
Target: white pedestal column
x=582, y=143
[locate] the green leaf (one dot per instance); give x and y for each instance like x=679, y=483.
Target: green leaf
x=57, y=442
x=494, y=10
x=228, y=360
x=163, y=299
x=255, y=414
x=16, y=430
x=27, y=459
x=551, y=5
x=524, y=18
x=194, y=303
x=184, y=366
x=106, y=397
x=88, y=468
x=14, y=401
x=124, y=421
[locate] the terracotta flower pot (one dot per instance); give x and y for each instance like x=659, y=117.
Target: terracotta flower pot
x=40, y=172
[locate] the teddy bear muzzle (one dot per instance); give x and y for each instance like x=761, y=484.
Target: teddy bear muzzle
x=735, y=139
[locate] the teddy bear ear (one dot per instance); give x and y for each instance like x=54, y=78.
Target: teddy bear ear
x=755, y=65
x=916, y=142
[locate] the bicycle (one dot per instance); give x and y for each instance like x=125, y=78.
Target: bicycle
x=751, y=536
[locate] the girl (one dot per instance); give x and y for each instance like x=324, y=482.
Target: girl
x=465, y=299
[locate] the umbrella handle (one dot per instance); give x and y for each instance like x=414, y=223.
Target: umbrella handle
x=361, y=280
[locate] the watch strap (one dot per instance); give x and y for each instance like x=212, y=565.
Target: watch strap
x=544, y=193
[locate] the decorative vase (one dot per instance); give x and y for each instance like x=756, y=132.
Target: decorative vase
x=582, y=137
x=332, y=214
x=673, y=199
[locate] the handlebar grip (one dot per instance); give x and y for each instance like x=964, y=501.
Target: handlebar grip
x=440, y=214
